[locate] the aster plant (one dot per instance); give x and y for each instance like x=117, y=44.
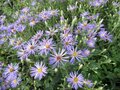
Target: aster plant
x=56, y=44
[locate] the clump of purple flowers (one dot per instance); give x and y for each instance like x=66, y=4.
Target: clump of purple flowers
x=47, y=14
x=97, y=3
x=61, y=42
x=11, y=76
x=77, y=80
x=104, y=35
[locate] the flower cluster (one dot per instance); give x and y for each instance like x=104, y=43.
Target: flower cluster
x=77, y=80
x=97, y=3
x=10, y=76
x=54, y=38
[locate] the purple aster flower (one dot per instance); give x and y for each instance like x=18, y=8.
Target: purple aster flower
x=65, y=28
x=95, y=3
x=25, y=10
x=88, y=83
x=22, y=18
x=33, y=21
x=74, y=54
x=109, y=37
x=31, y=47
x=11, y=28
x=65, y=34
x=17, y=22
x=44, y=15
x=104, y=35
x=3, y=38
x=68, y=43
x=85, y=53
x=22, y=53
x=17, y=43
x=84, y=25
x=38, y=71
x=10, y=71
x=20, y=28
x=15, y=82
x=91, y=42
x=92, y=32
x=12, y=41
x=54, y=12
x=37, y=36
x=84, y=14
x=4, y=87
x=51, y=32
x=91, y=26
x=2, y=35
x=78, y=31
x=92, y=17
x=3, y=28
x=56, y=59
x=46, y=46
x=33, y=3
x=75, y=80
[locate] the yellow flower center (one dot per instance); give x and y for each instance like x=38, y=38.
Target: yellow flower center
x=65, y=28
x=75, y=54
x=39, y=70
x=15, y=81
x=47, y=46
x=67, y=43
x=23, y=17
x=103, y=34
x=79, y=31
x=45, y=17
x=53, y=12
x=85, y=24
x=75, y=80
x=19, y=42
x=11, y=69
x=12, y=42
x=86, y=82
x=33, y=22
x=66, y=35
